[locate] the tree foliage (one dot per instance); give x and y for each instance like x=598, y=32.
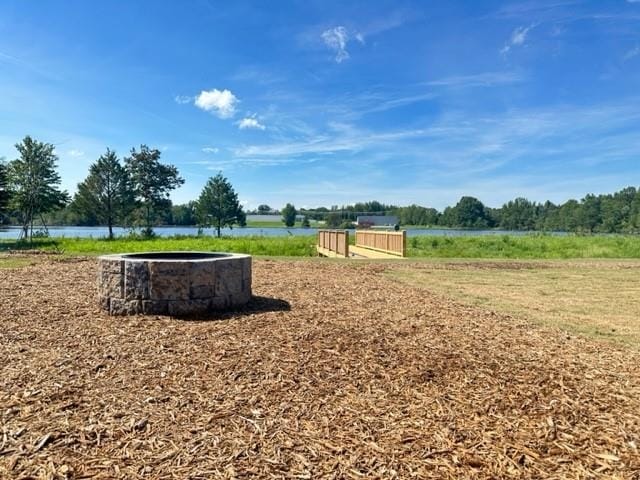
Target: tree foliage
x=33, y=181
x=106, y=193
x=152, y=182
x=218, y=205
x=184, y=214
x=289, y=215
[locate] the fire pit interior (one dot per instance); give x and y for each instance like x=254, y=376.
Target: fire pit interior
x=173, y=283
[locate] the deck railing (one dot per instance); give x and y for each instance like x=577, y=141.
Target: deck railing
x=333, y=243
x=394, y=243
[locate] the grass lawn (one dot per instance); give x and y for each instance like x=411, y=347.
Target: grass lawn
x=286, y=246
x=526, y=246
x=16, y=262
x=594, y=298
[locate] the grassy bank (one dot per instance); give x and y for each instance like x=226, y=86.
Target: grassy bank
x=489, y=246
x=527, y=246
x=289, y=246
x=574, y=296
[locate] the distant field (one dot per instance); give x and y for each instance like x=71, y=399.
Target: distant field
x=594, y=298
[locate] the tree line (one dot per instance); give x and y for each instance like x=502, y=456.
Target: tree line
x=618, y=212
x=135, y=190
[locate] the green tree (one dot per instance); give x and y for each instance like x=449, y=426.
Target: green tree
x=518, y=214
x=218, y=205
x=33, y=181
x=4, y=190
x=106, y=193
x=469, y=212
x=152, y=182
x=264, y=209
x=305, y=222
x=289, y=215
x=184, y=214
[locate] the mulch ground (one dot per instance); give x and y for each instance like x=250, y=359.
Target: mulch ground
x=332, y=371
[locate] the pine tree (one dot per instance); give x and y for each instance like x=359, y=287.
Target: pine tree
x=289, y=215
x=218, y=205
x=106, y=193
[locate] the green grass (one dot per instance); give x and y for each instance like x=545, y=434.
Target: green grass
x=526, y=246
x=8, y=262
x=274, y=224
x=289, y=246
x=489, y=246
x=277, y=224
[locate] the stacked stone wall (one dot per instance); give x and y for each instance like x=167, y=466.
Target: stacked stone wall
x=128, y=286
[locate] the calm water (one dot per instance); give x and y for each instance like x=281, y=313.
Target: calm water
x=97, y=232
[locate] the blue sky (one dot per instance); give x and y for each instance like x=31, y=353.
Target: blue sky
x=328, y=103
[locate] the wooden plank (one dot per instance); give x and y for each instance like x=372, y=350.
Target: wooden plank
x=325, y=252
x=363, y=252
x=386, y=242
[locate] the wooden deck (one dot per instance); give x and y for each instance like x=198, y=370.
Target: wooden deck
x=369, y=244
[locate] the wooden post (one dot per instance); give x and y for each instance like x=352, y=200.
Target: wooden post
x=404, y=243
x=346, y=243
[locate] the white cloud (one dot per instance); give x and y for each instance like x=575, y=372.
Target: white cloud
x=210, y=149
x=76, y=153
x=250, y=122
x=182, y=99
x=360, y=37
x=336, y=39
x=518, y=37
x=219, y=102
x=634, y=52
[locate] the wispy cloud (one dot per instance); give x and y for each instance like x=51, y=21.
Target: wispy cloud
x=219, y=102
x=75, y=153
x=485, y=79
x=182, y=99
x=336, y=39
x=250, y=123
x=389, y=21
x=27, y=65
x=518, y=37
x=634, y=52
x=210, y=149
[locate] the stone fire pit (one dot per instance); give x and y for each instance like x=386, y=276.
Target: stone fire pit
x=173, y=283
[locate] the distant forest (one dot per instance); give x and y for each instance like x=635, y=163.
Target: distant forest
x=609, y=213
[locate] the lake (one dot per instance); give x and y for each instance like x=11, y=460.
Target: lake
x=11, y=233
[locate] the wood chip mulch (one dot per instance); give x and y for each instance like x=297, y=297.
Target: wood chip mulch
x=333, y=371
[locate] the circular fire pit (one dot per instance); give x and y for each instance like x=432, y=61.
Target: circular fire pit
x=173, y=283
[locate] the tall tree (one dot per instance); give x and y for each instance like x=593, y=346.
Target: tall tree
x=152, y=182
x=289, y=215
x=33, y=181
x=218, y=205
x=469, y=212
x=4, y=189
x=106, y=193
x=264, y=209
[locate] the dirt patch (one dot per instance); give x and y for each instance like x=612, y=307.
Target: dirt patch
x=334, y=372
